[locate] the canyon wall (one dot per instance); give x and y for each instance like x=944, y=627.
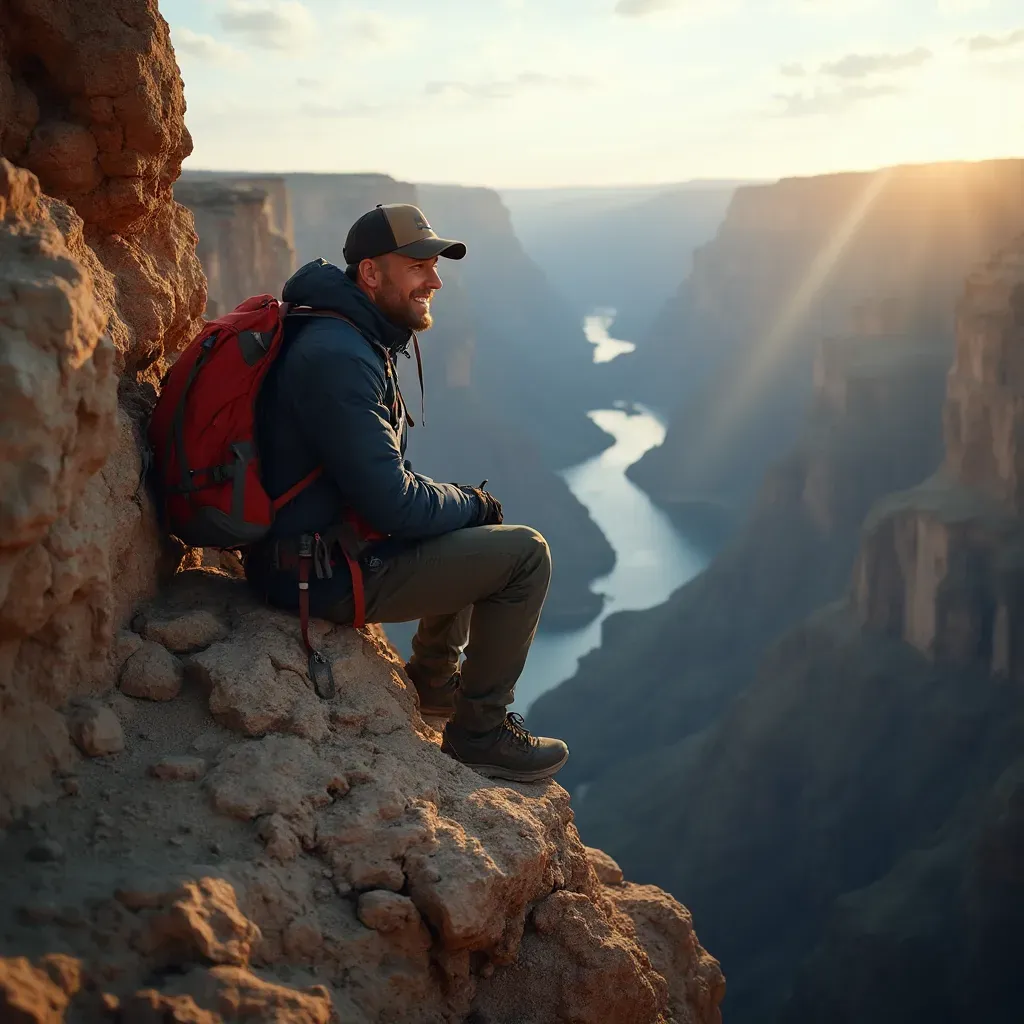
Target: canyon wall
x=186, y=831
x=98, y=283
x=241, y=246
x=792, y=262
x=859, y=785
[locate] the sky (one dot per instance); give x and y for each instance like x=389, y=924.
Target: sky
x=545, y=93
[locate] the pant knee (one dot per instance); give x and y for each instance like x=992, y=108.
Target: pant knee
x=535, y=554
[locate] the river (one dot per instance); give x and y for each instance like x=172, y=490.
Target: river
x=652, y=559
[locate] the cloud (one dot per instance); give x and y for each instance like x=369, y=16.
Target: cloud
x=269, y=24
x=831, y=101
x=983, y=44
x=309, y=83
x=641, y=8
x=505, y=88
x=792, y=70
x=202, y=47
x=860, y=65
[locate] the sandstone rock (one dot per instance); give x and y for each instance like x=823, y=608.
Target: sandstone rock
x=179, y=769
x=258, y=679
x=98, y=275
x=225, y=990
x=152, y=673
x=282, y=842
x=303, y=938
x=203, y=921
x=186, y=633
x=607, y=871
x=37, y=995
x=95, y=729
x=573, y=966
x=275, y=775
x=148, y=1006
x=665, y=930
x=126, y=643
x=385, y=911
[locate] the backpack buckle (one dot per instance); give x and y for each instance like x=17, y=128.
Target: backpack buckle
x=322, y=675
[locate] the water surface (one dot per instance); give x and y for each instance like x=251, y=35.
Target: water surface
x=596, y=327
x=652, y=559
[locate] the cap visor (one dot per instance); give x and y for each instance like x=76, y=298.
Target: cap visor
x=427, y=248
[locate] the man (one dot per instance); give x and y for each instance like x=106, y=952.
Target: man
x=332, y=399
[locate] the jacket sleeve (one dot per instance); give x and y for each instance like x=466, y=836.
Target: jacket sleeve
x=340, y=409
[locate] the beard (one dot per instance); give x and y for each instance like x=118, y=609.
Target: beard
x=403, y=310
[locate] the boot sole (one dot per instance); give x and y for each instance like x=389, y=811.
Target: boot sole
x=494, y=771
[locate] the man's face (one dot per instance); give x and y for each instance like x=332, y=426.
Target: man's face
x=402, y=288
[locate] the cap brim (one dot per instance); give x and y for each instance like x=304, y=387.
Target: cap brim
x=428, y=248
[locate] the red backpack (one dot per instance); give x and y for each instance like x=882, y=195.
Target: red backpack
x=203, y=438
x=203, y=430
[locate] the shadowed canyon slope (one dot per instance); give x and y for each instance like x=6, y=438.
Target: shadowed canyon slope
x=793, y=262
x=855, y=785
x=186, y=831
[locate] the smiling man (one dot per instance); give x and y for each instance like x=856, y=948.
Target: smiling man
x=388, y=544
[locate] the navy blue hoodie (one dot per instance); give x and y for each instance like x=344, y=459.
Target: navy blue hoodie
x=331, y=399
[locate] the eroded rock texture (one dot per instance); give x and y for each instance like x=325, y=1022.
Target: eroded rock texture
x=91, y=102
x=329, y=842
x=98, y=279
x=243, y=250
x=940, y=565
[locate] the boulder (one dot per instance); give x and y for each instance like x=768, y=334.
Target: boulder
x=95, y=729
x=151, y=673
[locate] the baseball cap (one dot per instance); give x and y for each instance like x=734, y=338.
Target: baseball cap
x=401, y=228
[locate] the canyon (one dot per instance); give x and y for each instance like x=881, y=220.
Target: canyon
x=624, y=249
x=826, y=718
x=732, y=352
x=186, y=831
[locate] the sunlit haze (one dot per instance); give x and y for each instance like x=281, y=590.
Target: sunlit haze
x=589, y=92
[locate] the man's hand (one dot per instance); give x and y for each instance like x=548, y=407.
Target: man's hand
x=490, y=508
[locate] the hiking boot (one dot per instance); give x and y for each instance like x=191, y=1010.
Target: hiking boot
x=436, y=699
x=506, y=752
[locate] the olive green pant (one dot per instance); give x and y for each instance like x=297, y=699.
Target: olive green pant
x=480, y=590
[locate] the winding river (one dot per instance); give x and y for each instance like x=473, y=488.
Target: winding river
x=652, y=559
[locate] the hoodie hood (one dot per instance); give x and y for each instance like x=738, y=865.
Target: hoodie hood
x=322, y=285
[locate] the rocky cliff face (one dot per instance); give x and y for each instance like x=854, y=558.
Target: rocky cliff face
x=241, y=246
x=247, y=825
x=937, y=566
x=186, y=831
x=98, y=278
x=733, y=350
x=862, y=790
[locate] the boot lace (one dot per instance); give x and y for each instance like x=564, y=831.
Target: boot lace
x=517, y=728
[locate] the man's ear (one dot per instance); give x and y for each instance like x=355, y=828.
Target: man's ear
x=369, y=273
